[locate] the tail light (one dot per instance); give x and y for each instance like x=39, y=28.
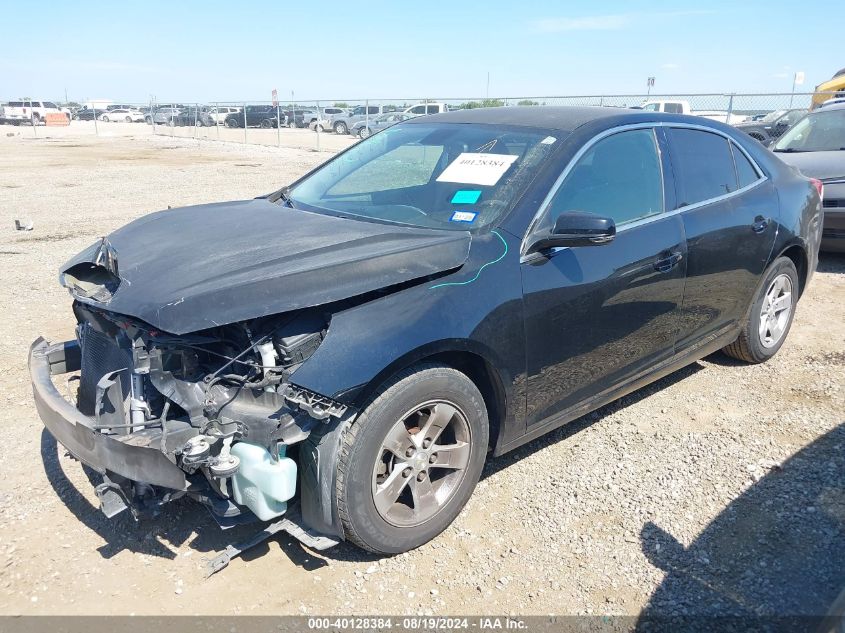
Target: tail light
x=819, y=185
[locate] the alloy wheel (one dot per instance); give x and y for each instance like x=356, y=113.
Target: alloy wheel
x=775, y=311
x=421, y=463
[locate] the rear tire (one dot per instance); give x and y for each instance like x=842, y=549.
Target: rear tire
x=129, y=119
x=340, y=128
x=770, y=316
x=420, y=410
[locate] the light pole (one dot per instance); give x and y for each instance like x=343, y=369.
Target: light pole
x=797, y=80
x=649, y=85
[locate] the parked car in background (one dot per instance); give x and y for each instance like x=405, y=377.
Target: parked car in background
x=422, y=109
x=771, y=126
x=357, y=344
x=302, y=118
x=162, y=115
x=120, y=106
x=218, y=114
x=377, y=124
x=199, y=117
x=122, y=114
x=265, y=116
x=323, y=121
x=816, y=146
x=833, y=101
x=30, y=112
x=161, y=112
x=87, y=114
x=342, y=123
x=679, y=106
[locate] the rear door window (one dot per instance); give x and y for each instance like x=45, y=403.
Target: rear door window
x=703, y=165
x=674, y=108
x=745, y=172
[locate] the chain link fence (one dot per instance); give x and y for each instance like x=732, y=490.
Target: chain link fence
x=332, y=125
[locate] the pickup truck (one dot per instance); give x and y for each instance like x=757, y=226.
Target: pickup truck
x=683, y=107
x=342, y=123
x=30, y=112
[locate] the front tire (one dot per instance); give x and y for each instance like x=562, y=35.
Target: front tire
x=770, y=317
x=411, y=460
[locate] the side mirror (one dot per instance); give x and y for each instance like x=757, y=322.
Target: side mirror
x=576, y=228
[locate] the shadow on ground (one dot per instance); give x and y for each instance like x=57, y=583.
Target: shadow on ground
x=777, y=551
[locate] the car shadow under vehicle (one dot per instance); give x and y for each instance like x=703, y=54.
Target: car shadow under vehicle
x=774, y=558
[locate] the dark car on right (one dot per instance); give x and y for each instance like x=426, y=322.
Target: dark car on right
x=816, y=146
x=771, y=126
x=265, y=116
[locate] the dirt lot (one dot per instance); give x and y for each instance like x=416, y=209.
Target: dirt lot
x=298, y=138
x=584, y=520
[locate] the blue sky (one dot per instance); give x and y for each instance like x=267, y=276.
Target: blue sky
x=235, y=50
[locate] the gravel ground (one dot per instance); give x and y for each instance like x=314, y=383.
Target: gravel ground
x=297, y=138
x=720, y=489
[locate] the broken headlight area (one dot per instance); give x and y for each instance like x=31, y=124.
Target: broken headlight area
x=218, y=404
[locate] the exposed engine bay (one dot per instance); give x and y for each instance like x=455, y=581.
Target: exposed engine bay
x=217, y=403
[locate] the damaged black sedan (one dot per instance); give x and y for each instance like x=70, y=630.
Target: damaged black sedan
x=342, y=355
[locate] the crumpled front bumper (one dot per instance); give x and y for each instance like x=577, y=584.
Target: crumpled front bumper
x=131, y=456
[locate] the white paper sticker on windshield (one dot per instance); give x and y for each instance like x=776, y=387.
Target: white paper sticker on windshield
x=477, y=169
x=548, y=140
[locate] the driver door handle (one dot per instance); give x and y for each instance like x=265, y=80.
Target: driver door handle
x=668, y=261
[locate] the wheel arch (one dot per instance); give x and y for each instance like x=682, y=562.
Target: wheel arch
x=797, y=252
x=462, y=356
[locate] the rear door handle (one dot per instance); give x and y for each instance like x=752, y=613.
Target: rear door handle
x=668, y=261
x=760, y=224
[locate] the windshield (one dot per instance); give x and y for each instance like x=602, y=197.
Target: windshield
x=821, y=131
x=452, y=176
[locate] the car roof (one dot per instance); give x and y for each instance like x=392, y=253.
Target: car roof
x=550, y=117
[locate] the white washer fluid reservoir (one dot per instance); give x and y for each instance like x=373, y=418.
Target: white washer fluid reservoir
x=263, y=484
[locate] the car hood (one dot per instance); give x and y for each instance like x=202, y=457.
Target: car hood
x=821, y=165
x=188, y=269
x=750, y=125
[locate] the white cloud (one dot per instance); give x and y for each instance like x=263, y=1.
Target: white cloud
x=670, y=66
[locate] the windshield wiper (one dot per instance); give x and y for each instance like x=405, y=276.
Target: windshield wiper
x=789, y=150
x=282, y=194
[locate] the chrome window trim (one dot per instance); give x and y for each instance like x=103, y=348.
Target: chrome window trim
x=761, y=177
